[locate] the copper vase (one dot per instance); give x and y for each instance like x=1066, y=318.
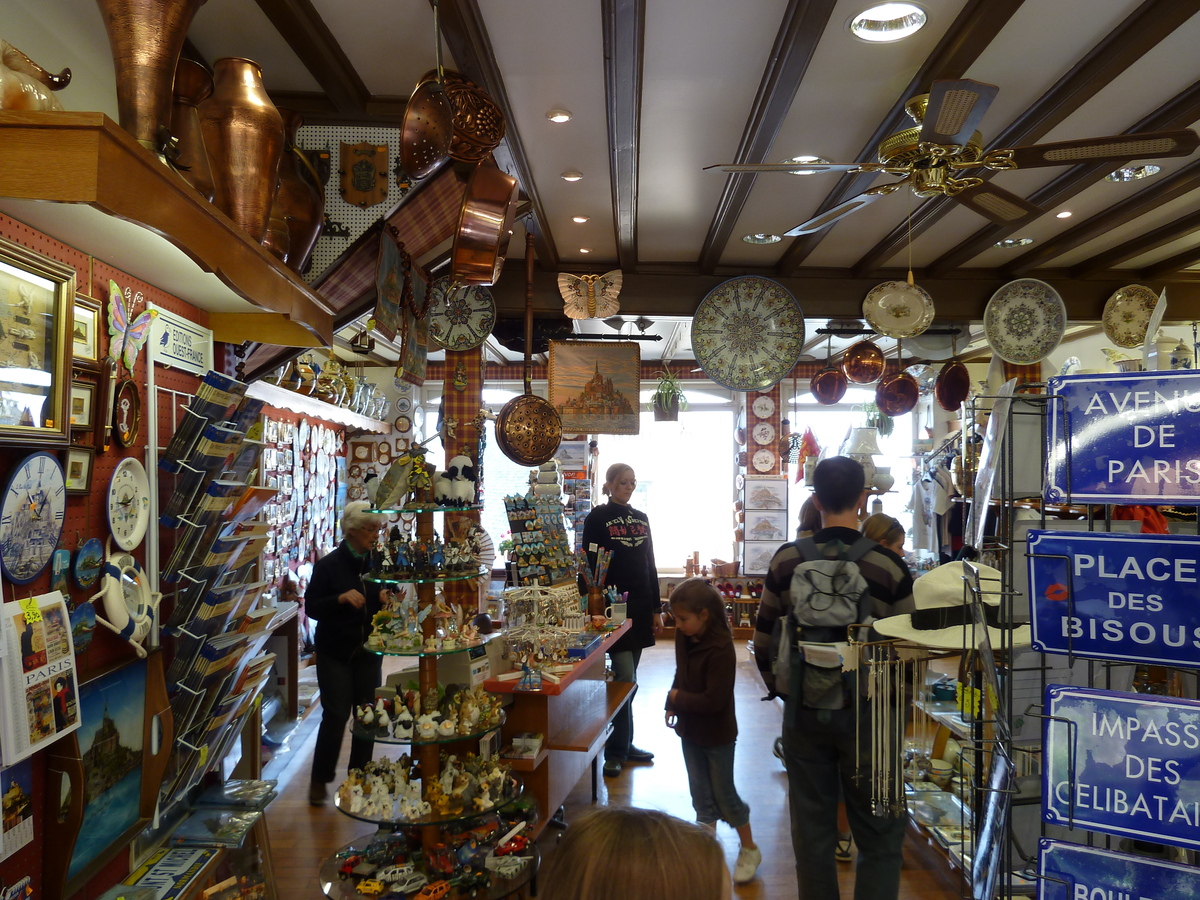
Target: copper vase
x=300, y=197
x=277, y=239
x=243, y=134
x=145, y=37
x=193, y=85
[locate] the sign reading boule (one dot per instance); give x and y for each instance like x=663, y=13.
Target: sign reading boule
x=1075, y=872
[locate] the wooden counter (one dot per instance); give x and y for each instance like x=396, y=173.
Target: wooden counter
x=574, y=716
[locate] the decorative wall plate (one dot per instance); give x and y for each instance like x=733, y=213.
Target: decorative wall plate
x=763, y=460
x=748, y=333
x=1024, y=321
x=460, y=315
x=763, y=407
x=764, y=433
x=1127, y=315
x=898, y=309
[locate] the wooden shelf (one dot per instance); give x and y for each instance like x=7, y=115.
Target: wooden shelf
x=82, y=178
x=528, y=765
x=581, y=738
x=495, y=686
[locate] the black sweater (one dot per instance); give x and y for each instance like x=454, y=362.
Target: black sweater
x=705, y=671
x=626, y=532
x=341, y=629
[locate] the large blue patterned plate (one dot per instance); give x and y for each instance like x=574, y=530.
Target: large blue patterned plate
x=1024, y=321
x=748, y=333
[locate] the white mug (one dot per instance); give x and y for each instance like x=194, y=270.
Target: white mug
x=616, y=613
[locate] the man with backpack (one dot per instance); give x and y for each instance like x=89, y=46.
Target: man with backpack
x=813, y=590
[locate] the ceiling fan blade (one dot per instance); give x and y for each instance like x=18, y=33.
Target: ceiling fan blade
x=827, y=218
x=1113, y=148
x=806, y=168
x=995, y=203
x=955, y=109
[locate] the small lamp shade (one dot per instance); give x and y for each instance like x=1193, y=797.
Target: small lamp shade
x=864, y=441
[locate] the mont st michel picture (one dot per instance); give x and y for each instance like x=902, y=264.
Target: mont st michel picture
x=594, y=386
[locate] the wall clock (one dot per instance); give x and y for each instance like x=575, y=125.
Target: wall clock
x=763, y=460
x=403, y=424
x=362, y=451
x=748, y=333
x=763, y=406
x=127, y=412
x=460, y=315
x=764, y=433
x=31, y=517
x=128, y=503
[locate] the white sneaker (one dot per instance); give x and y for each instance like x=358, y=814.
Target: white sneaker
x=747, y=864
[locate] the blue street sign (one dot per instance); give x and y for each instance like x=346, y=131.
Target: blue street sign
x=1124, y=438
x=1116, y=596
x=1074, y=872
x=1125, y=764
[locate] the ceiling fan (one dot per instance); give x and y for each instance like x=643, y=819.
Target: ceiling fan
x=930, y=157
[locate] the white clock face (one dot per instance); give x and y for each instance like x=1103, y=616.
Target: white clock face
x=128, y=503
x=31, y=519
x=763, y=406
x=764, y=460
x=764, y=433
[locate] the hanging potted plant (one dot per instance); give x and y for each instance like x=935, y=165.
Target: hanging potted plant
x=667, y=399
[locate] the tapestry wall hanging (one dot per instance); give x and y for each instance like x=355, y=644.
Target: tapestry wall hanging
x=595, y=386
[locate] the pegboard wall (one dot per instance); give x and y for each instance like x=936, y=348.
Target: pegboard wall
x=345, y=219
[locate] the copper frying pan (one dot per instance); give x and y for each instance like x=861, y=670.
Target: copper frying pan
x=485, y=223
x=528, y=428
x=428, y=123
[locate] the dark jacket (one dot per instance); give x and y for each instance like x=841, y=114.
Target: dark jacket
x=704, y=674
x=626, y=531
x=341, y=629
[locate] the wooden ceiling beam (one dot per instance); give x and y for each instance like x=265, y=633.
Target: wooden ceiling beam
x=624, y=24
x=969, y=35
x=1125, y=45
x=1151, y=240
x=1170, y=266
x=796, y=41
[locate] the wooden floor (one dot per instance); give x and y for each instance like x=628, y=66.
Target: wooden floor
x=301, y=835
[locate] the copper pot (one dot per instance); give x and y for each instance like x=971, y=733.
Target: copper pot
x=243, y=133
x=484, y=225
x=828, y=385
x=897, y=394
x=300, y=197
x=193, y=85
x=953, y=385
x=863, y=363
x=145, y=37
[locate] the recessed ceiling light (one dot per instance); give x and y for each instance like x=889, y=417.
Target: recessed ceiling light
x=761, y=238
x=579, y=220
x=558, y=116
x=1133, y=173
x=585, y=249
x=571, y=175
x=1009, y=243
x=886, y=22
x=810, y=160
x=1065, y=214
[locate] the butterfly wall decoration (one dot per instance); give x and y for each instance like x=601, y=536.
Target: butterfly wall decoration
x=127, y=334
x=590, y=296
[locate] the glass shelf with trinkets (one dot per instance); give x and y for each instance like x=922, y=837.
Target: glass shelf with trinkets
x=373, y=734
x=435, y=577
x=457, y=812
x=411, y=508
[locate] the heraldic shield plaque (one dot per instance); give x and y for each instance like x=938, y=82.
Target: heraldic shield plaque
x=363, y=173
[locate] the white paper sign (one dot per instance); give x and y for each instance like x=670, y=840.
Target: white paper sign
x=180, y=343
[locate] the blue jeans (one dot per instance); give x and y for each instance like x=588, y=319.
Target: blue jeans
x=343, y=683
x=710, y=779
x=820, y=754
x=624, y=668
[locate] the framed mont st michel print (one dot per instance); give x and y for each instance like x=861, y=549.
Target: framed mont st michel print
x=37, y=301
x=595, y=386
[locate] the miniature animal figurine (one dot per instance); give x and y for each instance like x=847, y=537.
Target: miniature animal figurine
x=461, y=471
x=443, y=488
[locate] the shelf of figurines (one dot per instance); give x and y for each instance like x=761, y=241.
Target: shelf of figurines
x=398, y=576
x=418, y=506
x=391, y=792
x=441, y=717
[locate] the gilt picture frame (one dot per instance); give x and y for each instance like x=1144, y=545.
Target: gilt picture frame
x=85, y=333
x=595, y=386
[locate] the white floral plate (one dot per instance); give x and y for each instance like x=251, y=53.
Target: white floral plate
x=1127, y=314
x=1024, y=321
x=897, y=309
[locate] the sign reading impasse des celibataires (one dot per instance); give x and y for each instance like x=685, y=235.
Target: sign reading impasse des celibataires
x=1124, y=438
x=1126, y=597
x=1125, y=764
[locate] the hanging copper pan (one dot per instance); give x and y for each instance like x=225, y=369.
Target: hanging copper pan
x=528, y=428
x=485, y=224
x=428, y=125
x=829, y=384
x=953, y=384
x=863, y=363
x=897, y=393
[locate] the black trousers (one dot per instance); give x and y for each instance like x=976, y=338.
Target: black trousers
x=343, y=684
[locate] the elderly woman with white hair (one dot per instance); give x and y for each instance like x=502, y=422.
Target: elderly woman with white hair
x=342, y=604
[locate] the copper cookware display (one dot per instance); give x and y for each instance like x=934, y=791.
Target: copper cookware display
x=953, y=384
x=478, y=121
x=897, y=393
x=863, y=363
x=193, y=85
x=484, y=225
x=829, y=384
x=428, y=125
x=528, y=428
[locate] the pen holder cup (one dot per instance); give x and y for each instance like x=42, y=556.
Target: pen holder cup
x=595, y=601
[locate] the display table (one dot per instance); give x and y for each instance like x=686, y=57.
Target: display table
x=573, y=715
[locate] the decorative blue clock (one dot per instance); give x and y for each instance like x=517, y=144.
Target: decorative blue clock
x=31, y=516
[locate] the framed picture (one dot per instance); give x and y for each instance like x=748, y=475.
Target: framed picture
x=756, y=556
x=83, y=402
x=85, y=333
x=595, y=386
x=766, y=525
x=573, y=455
x=766, y=493
x=37, y=306
x=78, y=470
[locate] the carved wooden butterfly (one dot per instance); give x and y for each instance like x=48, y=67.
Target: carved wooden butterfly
x=591, y=296
x=126, y=335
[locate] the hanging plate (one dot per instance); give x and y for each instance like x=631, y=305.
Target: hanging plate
x=1127, y=315
x=1024, y=321
x=461, y=316
x=748, y=333
x=897, y=309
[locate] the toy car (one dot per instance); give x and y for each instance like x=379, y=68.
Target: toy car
x=371, y=887
x=347, y=867
x=511, y=866
x=411, y=882
x=435, y=891
x=395, y=873
x=517, y=844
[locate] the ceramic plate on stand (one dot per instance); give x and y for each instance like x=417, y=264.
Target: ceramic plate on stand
x=1024, y=321
x=1127, y=315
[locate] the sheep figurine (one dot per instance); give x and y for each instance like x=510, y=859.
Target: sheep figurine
x=461, y=471
x=443, y=488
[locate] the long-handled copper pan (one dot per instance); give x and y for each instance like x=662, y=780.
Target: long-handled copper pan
x=428, y=119
x=528, y=428
x=485, y=224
